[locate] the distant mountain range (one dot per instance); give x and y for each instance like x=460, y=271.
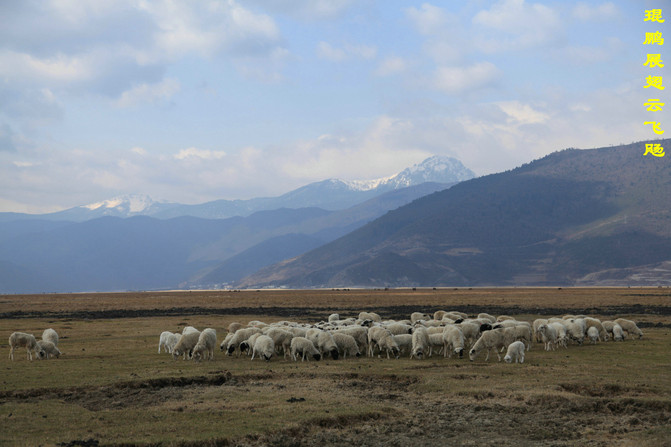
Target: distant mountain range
x=332, y=194
x=128, y=243
x=575, y=217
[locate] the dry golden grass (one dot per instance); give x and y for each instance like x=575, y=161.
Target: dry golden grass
x=111, y=385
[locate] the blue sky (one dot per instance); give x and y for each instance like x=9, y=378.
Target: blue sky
x=191, y=101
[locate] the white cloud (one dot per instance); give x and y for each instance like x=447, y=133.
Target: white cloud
x=328, y=52
x=519, y=113
x=516, y=25
x=589, y=11
x=456, y=80
x=428, y=19
x=311, y=10
x=391, y=66
x=149, y=93
x=193, y=153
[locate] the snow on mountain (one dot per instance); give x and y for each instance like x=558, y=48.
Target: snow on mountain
x=331, y=194
x=128, y=204
x=439, y=169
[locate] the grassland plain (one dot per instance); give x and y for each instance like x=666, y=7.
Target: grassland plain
x=112, y=388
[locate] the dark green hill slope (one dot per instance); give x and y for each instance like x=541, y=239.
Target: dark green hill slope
x=572, y=217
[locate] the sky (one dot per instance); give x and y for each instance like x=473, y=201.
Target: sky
x=192, y=101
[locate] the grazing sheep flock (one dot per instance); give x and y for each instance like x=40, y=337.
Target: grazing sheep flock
x=421, y=336
x=44, y=349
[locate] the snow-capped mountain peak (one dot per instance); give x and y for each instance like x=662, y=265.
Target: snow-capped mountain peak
x=439, y=169
x=127, y=204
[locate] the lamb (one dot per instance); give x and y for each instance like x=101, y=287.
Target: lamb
x=167, y=341
x=22, y=340
x=629, y=327
x=185, y=344
x=593, y=334
x=515, y=353
x=239, y=336
x=50, y=335
x=346, y=344
x=305, y=348
x=207, y=340
x=453, y=341
x=618, y=333
x=494, y=339
x=519, y=332
x=420, y=343
x=45, y=349
x=549, y=334
x=264, y=347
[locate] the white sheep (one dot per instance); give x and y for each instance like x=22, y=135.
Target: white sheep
x=45, y=349
x=562, y=336
x=519, y=332
x=515, y=353
x=595, y=322
x=359, y=333
x=263, y=347
x=50, y=335
x=238, y=337
x=629, y=327
x=404, y=343
x=471, y=332
x=420, y=343
x=593, y=334
x=346, y=344
x=453, y=341
x=22, y=340
x=436, y=343
x=333, y=318
x=204, y=349
x=248, y=345
x=399, y=328
x=489, y=340
x=618, y=333
x=326, y=344
x=419, y=316
x=186, y=344
x=370, y=316
x=301, y=346
x=486, y=316
x=167, y=341
x=549, y=335
x=575, y=330
x=537, y=322
x=281, y=338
